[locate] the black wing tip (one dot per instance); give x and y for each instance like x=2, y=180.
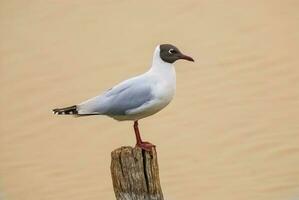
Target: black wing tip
x=55, y=111
x=72, y=110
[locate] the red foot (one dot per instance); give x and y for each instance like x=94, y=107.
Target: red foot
x=146, y=146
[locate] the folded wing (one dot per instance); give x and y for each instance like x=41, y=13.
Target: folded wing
x=118, y=100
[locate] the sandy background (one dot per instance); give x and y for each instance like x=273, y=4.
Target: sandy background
x=232, y=131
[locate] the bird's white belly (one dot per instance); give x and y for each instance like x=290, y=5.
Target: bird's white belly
x=154, y=108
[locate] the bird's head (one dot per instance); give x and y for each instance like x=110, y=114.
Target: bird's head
x=170, y=53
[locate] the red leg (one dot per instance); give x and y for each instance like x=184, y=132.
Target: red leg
x=143, y=145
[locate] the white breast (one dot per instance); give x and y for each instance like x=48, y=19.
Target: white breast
x=164, y=87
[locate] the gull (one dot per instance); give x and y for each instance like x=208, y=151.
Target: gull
x=137, y=97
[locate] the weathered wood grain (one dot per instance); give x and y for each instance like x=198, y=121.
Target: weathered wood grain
x=135, y=174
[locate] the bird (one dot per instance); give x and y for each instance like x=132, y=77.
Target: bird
x=137, y=97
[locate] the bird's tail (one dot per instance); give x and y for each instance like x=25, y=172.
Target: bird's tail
x=72, y=110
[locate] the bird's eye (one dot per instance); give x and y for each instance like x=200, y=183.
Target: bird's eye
x=172, y=51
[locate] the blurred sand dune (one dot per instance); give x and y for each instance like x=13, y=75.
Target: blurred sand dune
x=232, y=131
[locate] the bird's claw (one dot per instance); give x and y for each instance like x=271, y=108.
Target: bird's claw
x=147, y=146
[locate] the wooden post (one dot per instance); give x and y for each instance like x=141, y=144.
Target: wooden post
x=135, y=174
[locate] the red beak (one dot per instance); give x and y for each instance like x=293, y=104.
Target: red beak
x=186, y=58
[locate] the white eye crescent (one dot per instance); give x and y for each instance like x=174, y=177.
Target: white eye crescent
x=171, y=51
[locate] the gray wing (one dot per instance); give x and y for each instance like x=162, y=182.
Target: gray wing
x=118, y=100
